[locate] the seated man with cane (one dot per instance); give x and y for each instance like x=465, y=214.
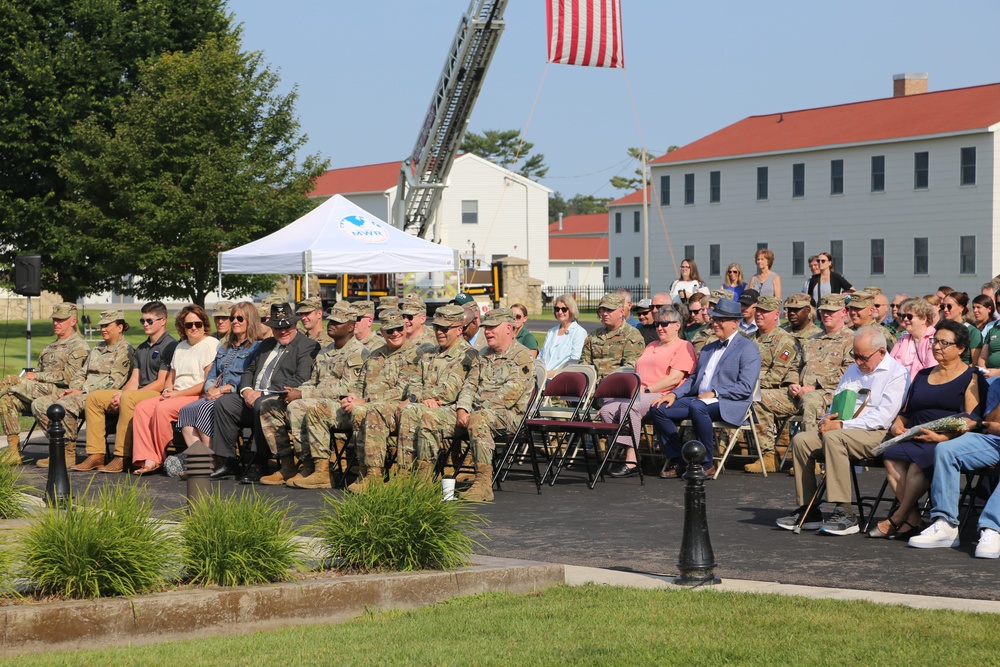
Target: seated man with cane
x=840, y=437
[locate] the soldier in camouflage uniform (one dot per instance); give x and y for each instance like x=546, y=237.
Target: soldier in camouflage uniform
x=826, y=356
x=614, y=345
x=861, y=309
x=375, y=409
x=798, y=309
x=707, y=335
x=494, y=398
x=303, y=421
x=415, y=315
x=779, y=367
x=310, y=313
x=108, y=366
x=57, y=364
x=363, y=326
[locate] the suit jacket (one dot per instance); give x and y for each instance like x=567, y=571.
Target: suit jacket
x=293, y=368
x=734, y=379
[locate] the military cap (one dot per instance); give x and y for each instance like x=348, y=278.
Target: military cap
x=272, y=299
x=768, y=303
x=222, y=309
x=281, y=316
x=873, y=290
x=264, y=311
x=749, y=297
x=365, y=308
x=462, y=299
x=798, y=300
x=831, y=302
x=718, y=294
x=112, y=316
x=645, y=304
x=450, y=315
x=862, y=299
x=413, y=305
x=343, y=311
x=390, y=318
x=63, y=311
x=308, y=305
x=501, y=315
x=611, y=301
x=387, y=302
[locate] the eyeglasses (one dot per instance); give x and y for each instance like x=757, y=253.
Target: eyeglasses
x=560, y=309
x=732, y=272
x=943, y=344
x=150, y=320
x=695, y=311
x=906, y=316
x=822, y=261
x=664, y=325
x=393, y=331
x=896, y=305
x=519, y=317
x=863, y=358
x=949, y=306
x=446, y=327
x=408, y=317
x=237, y=318
x=194, y=325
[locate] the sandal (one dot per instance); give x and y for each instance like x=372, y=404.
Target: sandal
x=905, y=535
x=145, y=470
x=876, y=531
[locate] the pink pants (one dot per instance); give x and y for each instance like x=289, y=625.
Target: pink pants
x=151, y=426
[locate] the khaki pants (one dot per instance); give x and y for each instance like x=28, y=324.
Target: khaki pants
x=99, y=405
x=837, y=447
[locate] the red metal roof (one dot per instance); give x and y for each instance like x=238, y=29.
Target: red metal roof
x=369, y=178
x=580, y=248
x=925, y=114
x=590, y=223
x=634, y=198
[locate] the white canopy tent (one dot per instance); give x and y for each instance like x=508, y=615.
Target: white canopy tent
x=338, y=237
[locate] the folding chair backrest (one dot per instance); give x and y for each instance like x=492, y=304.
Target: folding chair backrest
x=567, y=384
x=618, y=385
x=591, y=374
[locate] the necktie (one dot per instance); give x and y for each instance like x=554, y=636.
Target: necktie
x=264, y=379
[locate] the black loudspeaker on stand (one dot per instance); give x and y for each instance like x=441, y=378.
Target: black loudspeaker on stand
x=28, y=275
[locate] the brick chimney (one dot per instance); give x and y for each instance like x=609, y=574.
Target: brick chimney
x=908, y=84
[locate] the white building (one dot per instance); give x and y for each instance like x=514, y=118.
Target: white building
x=486, y=212
x=902, y=191
x=578, y=253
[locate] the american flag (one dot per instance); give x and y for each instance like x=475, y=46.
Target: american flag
x=585, y=32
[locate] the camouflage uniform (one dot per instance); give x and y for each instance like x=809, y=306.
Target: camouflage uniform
x=826, y=358
x=607, y=350
x=807, y=332
x=702, y=338
x=495, y=394
x=426, y=340
x=780, y=360
x=107, y=367
x=57, y=364
x=310, y=305
x=372, y=342
x=862, y=298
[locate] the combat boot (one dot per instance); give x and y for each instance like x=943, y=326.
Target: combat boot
x=481, y=490
x=320, y=479
x=770, y=464
x=281, y=476
x=12, y=455
x=372, y=477
x=305, y=469
x=70, y=457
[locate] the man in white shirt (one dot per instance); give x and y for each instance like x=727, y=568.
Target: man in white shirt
x=841, y=437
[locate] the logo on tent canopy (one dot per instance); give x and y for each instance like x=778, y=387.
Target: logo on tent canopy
x=362, y=229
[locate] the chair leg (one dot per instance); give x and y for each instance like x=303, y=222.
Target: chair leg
x=725, y=455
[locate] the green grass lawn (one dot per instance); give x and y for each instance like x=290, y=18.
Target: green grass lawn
x=598, y=625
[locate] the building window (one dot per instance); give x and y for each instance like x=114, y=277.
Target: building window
x=968, y=176
x=921, y=167
x=799, y=179
x=618, y=222
x=689, y=252
x=470, y=212
x=637, y=222
x=714, y=187
x=761, y=246
x=664, y=191
x=637, y=267
x=618, y=267
x=837, y=253
x=761, y=183
x=878, y=173
x=878, y=257
x=688, y=189
x=920, y=256
x=798, y=258
x=967, y=255
x=836, y=177
x=714, y=259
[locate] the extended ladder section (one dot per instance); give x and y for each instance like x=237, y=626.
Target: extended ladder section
x=425, y=173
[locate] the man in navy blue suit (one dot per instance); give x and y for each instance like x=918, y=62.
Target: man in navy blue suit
x=721, y=388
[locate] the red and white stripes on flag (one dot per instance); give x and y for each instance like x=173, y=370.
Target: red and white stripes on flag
x=585, y=32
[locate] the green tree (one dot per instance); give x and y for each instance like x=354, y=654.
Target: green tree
x=635, y=182
x=62, y=61
x=200, y=159
x=583, y=204
x=504, y=148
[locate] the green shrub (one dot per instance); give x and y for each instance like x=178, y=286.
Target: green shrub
x=114, y=547
x=402, y=525
x=9, y=564
x=238, y=540
x=10, y=492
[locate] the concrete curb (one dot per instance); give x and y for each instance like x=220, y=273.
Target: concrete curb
x=211, y=611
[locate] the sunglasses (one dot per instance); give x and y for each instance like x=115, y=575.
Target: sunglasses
x=519, y=317
x=237, y=318
x=695, y=311
x=149, y=320
x=906, y=316
x=863, y=358
x=194, y=325
x=664, y=325
x=408, y=317
x=560, y=309
x=948, y=306
x=447, y=327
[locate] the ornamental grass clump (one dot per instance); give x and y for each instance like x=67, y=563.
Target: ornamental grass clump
x=112, y=546
x=402, y=525
x=238, y=540
x=11, y=491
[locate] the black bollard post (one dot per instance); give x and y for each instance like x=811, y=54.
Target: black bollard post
x=57, y=492
x=696, y=561
x=199, y=467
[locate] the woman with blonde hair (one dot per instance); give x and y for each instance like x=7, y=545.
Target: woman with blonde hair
x=734, y=280
x=767, y=282
x=913, y=349
x=563, y=342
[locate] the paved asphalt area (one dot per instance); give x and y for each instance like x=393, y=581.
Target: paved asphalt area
x=622, y=525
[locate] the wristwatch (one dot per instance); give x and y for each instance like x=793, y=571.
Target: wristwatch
x=413, y=398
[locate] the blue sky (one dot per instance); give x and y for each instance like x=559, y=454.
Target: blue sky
x=365, y=71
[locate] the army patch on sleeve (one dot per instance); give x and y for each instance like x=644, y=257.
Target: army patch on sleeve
x=785, y=354
x=525, y=369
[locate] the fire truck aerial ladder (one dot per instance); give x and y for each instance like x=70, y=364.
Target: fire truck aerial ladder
x=425, y=173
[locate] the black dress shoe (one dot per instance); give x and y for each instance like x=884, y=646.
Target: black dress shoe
x=624, y=470
x=225, y=470
x=252, y=475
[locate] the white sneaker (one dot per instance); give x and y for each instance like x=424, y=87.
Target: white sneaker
x=939, y=535
x=989, y=544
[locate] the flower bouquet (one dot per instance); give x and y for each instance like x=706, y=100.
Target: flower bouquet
x=953, y=424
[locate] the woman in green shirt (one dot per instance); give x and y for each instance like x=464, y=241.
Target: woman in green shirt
x=955, y=307
x=524, y=337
